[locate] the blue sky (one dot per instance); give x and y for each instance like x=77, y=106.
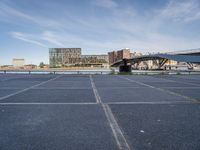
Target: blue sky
x=29, y=27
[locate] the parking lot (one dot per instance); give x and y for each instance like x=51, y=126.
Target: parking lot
x=56, y=112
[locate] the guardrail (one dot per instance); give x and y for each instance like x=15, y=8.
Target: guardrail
x=135, y=72
x=152, y=72
x=55, y=71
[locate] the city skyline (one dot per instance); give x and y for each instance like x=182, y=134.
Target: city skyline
x=29, y=28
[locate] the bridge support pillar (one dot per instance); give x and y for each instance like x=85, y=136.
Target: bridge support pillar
x=124, y=68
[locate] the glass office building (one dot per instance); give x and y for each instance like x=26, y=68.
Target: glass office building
x=59, y=57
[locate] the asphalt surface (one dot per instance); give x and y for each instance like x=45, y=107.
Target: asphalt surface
x=160, y=127
x=82, y=112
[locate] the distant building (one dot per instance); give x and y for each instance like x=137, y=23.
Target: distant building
x=30, y=66
x=118, y=55
x=7, y=67
x=18, y=62
x=59, y=57
x=64, y=56
x=94, y=59
x=112, y=57
x=124, y=53
x=135, y=54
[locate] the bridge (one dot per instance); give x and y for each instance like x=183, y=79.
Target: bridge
x=190, y=57
x=187, y=52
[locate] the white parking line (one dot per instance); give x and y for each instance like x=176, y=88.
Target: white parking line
x=108, y=103
x=18, y=103
x=164, y=102
x=128, y=87
x=186, y=83
x=26, y=89
x=160, y=89
x=190, y=78
x=98, y=99
x=10, y=88
x=181, y=87
x=118, y=134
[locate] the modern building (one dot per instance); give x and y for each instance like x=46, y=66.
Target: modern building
x=94, y=59
x=18, y=62
x=59, y=57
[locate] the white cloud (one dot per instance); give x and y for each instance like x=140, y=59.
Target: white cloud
x=9, y=11
x=120, y=28
x=106, y=3
x=184, y=10
x=16, y=16
x=27, y=38
x=51, y=37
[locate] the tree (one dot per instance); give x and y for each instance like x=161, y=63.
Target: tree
x=41, y=65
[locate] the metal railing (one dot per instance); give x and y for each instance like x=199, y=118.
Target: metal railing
x=55, y=71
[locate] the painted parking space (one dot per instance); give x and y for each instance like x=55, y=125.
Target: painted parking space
x=66, y=85
x=190, y=92
x=137, y=95
x=50, y=127
x=53, y=96
x=155, y=127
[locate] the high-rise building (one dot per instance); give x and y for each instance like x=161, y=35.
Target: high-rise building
x=18, y=62
x=64, y=56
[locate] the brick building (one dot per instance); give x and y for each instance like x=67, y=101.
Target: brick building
x=118, y=55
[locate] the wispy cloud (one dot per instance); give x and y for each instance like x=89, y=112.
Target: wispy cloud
x=15, y=16
x=27, y=38
x=52, y=38
x=181, y=10
x=105, y=3
x=9, y=11
x=115, y=29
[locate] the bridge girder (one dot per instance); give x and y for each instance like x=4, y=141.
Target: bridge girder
x=159, y=59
